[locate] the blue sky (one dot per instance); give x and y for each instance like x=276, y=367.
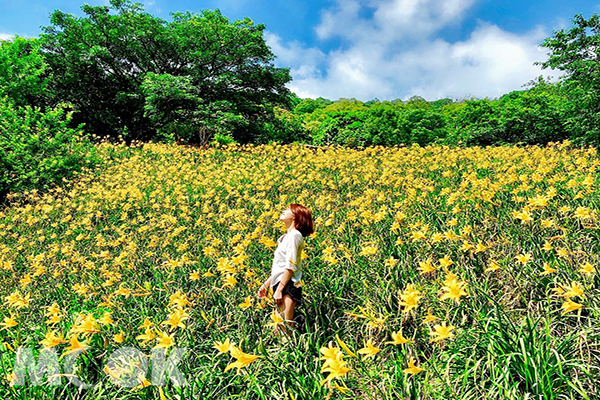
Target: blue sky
x=385, y=49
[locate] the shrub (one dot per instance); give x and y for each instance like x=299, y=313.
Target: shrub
x=38, y=149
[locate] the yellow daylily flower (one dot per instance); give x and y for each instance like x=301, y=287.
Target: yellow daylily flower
x=369, y=350
x=412, y=368
x=547, y=269
x=441, y=332
x=398, y=338
x=52, y=339
x=242, y=359
x=223, y=347
x=569, y=306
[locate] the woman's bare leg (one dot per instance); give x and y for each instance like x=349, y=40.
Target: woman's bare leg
x=286, y=307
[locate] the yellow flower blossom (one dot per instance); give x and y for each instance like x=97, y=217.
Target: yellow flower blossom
x=178, y=299
x=164, y=340
x=223, y=347
x=52, y=339
x=106, y=319
x=523, y=258
x=441, y=332
x=119, y=337
x=242, y=359
x=247, y=303
x=409, y=298
x=454, y=290
x=87, y=326
x=569, y=306
x=573, y=291
x=176, y=319
x=547, y=269
x=18, y=300
x=412, y=368
x=146, y=324
x=9, y=322
x=147, y=336
x=54, y=319
x=333, y=363
x=369, y=350
x=446, y=261
x=330, y=353
x=398, y=338
x=492, y=266
x=276, y=319
x=430, y=317
x=562, y=252
x=75, y=345
x=587, y=269
x=229, y=281
x=194, y=276
x=425, y=267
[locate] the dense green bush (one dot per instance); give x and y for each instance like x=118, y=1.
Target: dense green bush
x=532, y=117
x=38, y=149
x=352, y=123
x=344, y=127
x=385, y=125
x=285, y=128
x=477, y=123
x=24, y=74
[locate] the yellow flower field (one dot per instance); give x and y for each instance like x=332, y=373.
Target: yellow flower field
x=434, y=272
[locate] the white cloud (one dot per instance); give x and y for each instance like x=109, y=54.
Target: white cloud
x=303, y=62
x=490, y=63
x=392, y=20
x=6, y=36
x=395, y=53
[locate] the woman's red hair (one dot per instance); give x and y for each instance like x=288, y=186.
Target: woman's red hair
x=302, y=219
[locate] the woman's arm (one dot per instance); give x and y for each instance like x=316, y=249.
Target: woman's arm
x=266, y=283
x=287, y=274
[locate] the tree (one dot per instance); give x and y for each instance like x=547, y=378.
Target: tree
x=532, y=116
x=111, y=63
x=307, y=106
x=24, y=75
x=478, y=122
x=576, y=52
x=176, y=110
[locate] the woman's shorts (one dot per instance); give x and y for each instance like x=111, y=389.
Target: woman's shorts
x=290, y=289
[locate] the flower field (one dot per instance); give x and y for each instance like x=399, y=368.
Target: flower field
x=434, y=273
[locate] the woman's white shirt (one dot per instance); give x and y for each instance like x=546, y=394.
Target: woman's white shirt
x=288, y=255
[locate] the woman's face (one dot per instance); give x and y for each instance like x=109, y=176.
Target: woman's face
x=287, y=215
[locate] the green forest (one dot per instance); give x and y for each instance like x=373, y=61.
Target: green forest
x=120, y=73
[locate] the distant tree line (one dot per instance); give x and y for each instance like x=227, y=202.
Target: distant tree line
x=537, y=115
x=200, y=78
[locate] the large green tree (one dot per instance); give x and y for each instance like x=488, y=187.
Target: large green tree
x=128, y=71
x=576, y=51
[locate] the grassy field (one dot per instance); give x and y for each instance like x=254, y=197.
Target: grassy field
x=434, y=273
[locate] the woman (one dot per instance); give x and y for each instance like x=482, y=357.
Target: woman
x=287, y=269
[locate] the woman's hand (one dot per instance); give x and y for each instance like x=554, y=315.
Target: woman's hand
x=262, y=292
x=277, y=296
